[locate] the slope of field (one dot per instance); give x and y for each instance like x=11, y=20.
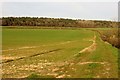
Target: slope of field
x=57, y=53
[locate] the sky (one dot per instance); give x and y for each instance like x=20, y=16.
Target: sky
x=74, y=10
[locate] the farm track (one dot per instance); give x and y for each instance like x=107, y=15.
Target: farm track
x=72, y=62
x=91, y=47
x=31, y=56
x=10, y=59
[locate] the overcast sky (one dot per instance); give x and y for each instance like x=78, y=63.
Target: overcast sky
x=74, y=10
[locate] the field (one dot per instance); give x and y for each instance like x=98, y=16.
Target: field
x=57, y=53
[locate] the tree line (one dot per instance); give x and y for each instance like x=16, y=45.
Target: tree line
x=55, y=22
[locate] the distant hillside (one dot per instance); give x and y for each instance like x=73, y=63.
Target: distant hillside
x=56, y=22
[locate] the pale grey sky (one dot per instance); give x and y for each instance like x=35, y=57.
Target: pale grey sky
x=74, y=10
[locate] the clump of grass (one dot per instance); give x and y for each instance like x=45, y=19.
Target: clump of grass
x=92, y=66
x=36, y=76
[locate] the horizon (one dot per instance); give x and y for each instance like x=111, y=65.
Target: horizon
x=56, y=18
